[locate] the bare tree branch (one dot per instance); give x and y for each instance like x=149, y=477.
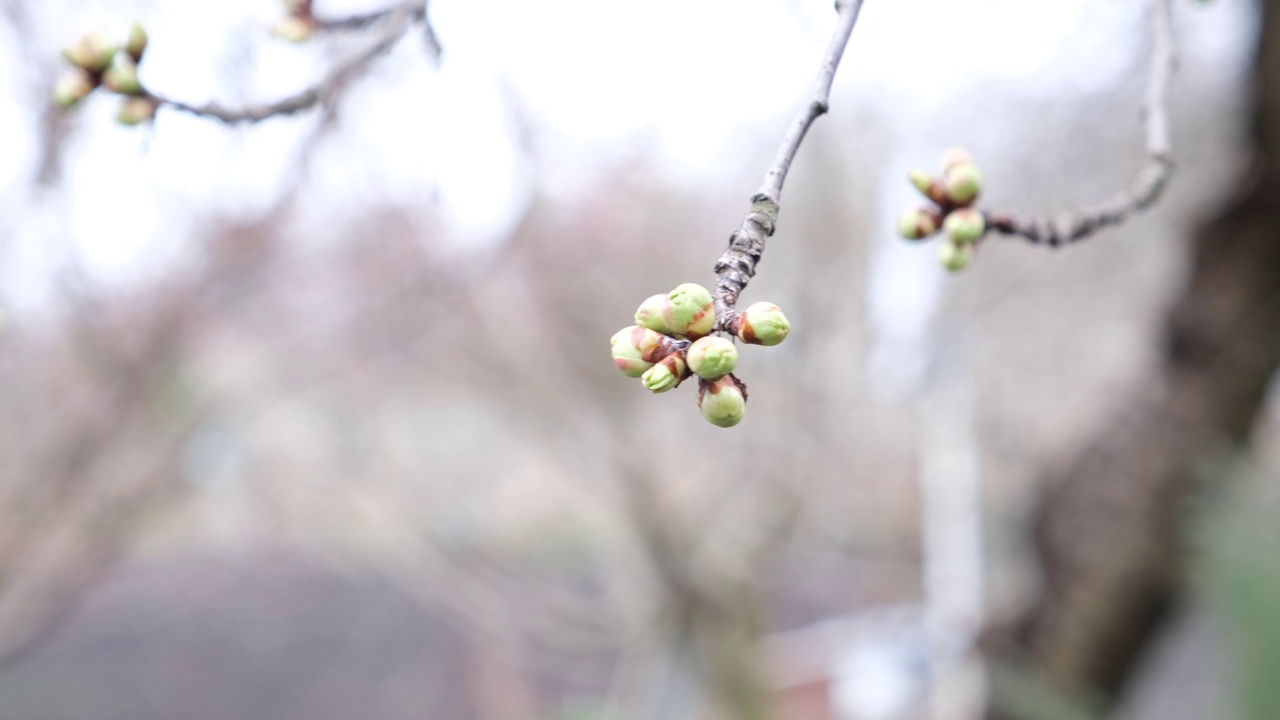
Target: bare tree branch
x=366, y=20
x=737, y=265
x=398, y=20
x=1151, y=179
x=351, y=23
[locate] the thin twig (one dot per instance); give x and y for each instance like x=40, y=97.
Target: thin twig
x=1150, y=180
x=398, y=21
x=737, y=265
x=353, y=22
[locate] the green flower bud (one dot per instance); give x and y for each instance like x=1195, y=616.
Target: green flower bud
x=93, y=53
x=928, y=185
x=295, y=29
x=722, y=401
x=667, y=374
x=689, y=310
x=137, y=110
x=713, y=357
x=72, y=87
x=965, y=225
x=964, y=183
x=955, y=156
x=919, y=224
x=762, y=323
x=649, y=314
x=955, y=256
x=636, y=349
x=921, y=179
x=137, y=42
x=122, y=76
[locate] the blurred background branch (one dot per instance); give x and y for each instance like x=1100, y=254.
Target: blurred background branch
x=391, y=25
x=1151, y=179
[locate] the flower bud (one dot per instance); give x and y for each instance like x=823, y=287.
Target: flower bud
x=136, y=45
x=649, y=314
x=72, y=87
x=919, y=224
x=761, y=323
x=137, y=110
x=712, y=357
x=722, y=401
x=955, y=156
x=955, y=256
x=964, y=183
x=636, y=349
x=93, y=53
x=928, y=185
x=965, y=225
x=295, y=29
x=122, y=76
x=667, y=374
x=689, y=310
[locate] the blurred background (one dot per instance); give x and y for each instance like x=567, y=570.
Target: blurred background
x=312, y=418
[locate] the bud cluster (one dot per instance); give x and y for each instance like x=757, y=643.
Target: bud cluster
x=98, y=62
x=298, y=24
x=673, y=339
x=952, y=211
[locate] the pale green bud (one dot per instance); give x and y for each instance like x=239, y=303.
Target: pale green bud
x=762, y=323
x=93, y=53
x=636, y=349
x=919, y=224
x=689, y=310
x=955, y=256
x=713, y=357
x=667, y=374
x=928, y=185
x=137, y=43
x=649, y=314
x=722, y=401
x=955, y=156
x=137, y=110
x=72, y=87
x=122, y=76
x=295, y=29
x=965, y=225
x=964, y=183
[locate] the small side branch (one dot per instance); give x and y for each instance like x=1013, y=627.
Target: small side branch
x=397, y=23
x=1147, y=185
x=737, y=265
x=353, y=23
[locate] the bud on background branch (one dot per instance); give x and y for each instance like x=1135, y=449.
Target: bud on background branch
x=962, y=180
x=115, y=67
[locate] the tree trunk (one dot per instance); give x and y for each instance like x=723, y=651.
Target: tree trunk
x=1109, y=529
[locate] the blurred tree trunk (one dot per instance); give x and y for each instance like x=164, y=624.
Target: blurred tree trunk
x=1109, y=529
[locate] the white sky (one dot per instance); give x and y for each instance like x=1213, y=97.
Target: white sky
x=594, y=75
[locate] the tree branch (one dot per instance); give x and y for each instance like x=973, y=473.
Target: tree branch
x=398, y=20
x=1150, y=180
x=737, y=265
